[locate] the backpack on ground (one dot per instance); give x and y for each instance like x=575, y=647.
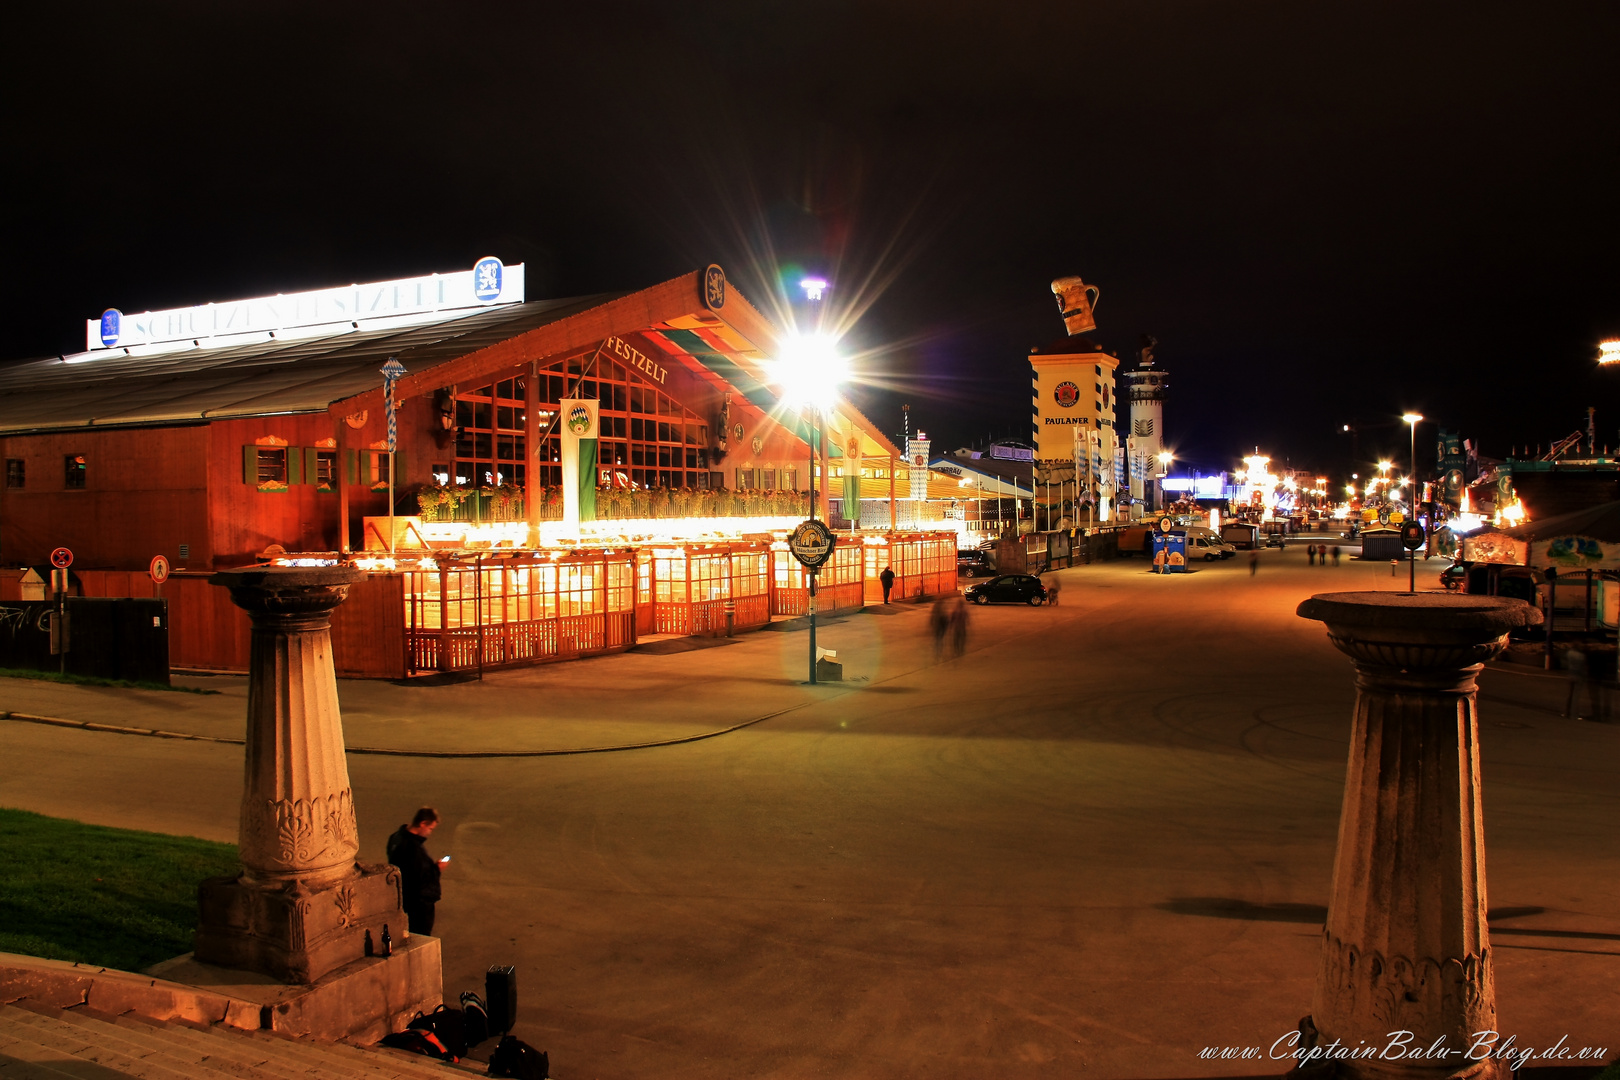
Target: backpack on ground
x=515, y=1058
x=446, y=1024
x=418, y=1042
x=474, y=1018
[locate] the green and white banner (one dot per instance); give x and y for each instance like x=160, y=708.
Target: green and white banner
x=579, y=433
x=852, y=478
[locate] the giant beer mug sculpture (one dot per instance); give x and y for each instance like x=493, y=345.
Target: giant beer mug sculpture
x=1076, y=300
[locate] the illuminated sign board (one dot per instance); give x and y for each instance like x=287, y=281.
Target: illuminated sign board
x=487, y=284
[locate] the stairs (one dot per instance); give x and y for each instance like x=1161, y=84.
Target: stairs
x=41, y=1042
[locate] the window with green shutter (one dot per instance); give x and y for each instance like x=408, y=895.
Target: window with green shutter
x=320, y=468
x=266, y=467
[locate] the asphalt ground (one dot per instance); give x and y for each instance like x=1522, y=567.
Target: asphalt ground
x=1095, y=844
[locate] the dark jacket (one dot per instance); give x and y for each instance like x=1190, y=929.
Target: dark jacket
x=418, y=873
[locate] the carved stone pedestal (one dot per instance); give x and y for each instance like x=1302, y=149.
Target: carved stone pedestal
x=1406, y=947
x=301, y=906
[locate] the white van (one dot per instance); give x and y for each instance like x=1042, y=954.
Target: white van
x=1205, y=543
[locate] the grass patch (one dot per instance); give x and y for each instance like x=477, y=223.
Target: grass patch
x=96, y=680
x=113, y=897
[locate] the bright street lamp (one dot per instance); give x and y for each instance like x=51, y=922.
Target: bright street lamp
x=1413, y=419
x=1609, y=351
x=809, y=369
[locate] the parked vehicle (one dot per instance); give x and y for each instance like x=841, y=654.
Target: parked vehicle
x=1208, y=548
x=974, y=563
x=1241, y=535
x=1211, y=542
x=1136, y=540
x=1009, y=589
x=1454, y=576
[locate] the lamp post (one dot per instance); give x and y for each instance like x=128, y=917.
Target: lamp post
x=1412, y=419
x=1165, y=457
x=809, y=370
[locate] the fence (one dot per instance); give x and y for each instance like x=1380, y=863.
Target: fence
x=690, y=588
x=924, y=564
x=501, y=611
x=840, y=584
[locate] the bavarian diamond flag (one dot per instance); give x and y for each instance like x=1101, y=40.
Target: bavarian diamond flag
x=579, y=432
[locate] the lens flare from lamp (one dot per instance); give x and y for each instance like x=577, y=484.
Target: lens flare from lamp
x=1609, y=351
x=809, y=370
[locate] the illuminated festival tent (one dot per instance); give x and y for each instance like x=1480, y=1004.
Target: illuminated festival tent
x=226, y=434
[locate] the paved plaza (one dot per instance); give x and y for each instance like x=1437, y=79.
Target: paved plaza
x=1095, y=844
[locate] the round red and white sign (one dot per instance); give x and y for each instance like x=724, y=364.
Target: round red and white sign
x=1066, y=394
x=61, y=558
x=159, y=569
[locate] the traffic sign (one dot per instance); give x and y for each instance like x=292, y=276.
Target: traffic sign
x=159, y=569
x=1412, y=535
x=61, y=558
x=811, y=543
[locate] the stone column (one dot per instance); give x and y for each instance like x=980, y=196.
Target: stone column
x=1405, y=946
x=301, y=906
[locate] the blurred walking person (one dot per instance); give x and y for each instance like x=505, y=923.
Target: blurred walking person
x=939, y=621
x=1254, y=562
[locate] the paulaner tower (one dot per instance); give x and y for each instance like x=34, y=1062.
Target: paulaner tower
x=1147, y=387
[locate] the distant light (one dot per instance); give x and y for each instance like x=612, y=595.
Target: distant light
x=813, y=287
x=1609, y=351
x=1412, y=417
x=1347, y=427
x=1383, y=466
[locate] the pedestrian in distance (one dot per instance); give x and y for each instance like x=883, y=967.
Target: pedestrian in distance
x=939, y=621
x=887, y=578
x=418, y=872
x=1053, y=587
x=1254, y=562
x=1335, y=554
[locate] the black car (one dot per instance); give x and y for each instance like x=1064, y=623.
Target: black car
x=1009, y=589
x=973, y=563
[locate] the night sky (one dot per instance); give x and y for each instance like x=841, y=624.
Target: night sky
x=1326, y=213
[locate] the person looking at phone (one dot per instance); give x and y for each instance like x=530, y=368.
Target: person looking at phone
x=418, y=873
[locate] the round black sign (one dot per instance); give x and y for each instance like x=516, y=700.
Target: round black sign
x=1412, y=535
x=811, y=542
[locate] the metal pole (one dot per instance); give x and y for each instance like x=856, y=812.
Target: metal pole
x=390, y=504
x=812, y=572
x=811, y=601
x=1552, y=609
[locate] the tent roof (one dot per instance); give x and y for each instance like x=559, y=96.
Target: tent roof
x=1600, y=522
